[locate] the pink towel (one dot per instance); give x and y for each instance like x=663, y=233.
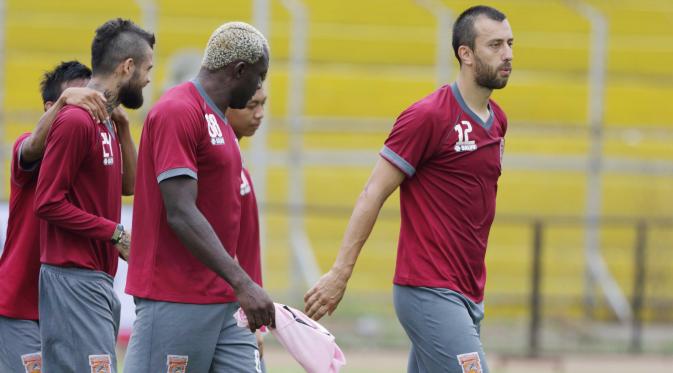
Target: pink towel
x=307, y=341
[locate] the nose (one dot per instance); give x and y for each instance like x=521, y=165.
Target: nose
x=509, y=53
x=259, y=112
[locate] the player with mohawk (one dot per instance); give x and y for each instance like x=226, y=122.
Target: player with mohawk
x=186, y=217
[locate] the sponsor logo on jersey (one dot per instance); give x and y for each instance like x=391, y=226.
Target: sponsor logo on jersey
x=470, y=362
x=108, y=157
x=177, y=363
x=214, y=130
x=32, y=362
x=100, y=363
x=464, y=144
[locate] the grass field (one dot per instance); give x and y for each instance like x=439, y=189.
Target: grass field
x=395, y=360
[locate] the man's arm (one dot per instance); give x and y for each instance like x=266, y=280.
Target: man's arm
x=326, y=294
x=90, y=100
x=129, y=152
x=194, y=231
x=68, y=143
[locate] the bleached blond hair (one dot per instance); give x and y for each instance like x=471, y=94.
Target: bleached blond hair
x=234, y=41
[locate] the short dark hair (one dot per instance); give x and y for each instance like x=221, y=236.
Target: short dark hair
x=115, y=41
x=463, y=29
x=52, y=82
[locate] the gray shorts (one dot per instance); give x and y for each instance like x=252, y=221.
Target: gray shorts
x=19, y=345
x=179, y=337
x=79, y=320
x=443, y=327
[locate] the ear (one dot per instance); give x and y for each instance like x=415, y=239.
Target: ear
x=48, y=104
x=127, y=66
x=239, y=69
x=466, y=55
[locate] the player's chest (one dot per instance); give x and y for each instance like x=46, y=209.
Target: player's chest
x=218, y=147
x=471, y=147
x=105, y=155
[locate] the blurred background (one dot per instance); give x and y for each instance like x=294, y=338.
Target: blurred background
x=580, y=257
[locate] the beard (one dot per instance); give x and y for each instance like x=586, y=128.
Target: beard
x=240, y=97
x=131, y=94
x=487, y=77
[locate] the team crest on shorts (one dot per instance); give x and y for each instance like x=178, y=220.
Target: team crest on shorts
x=177, y=363
x=470, y=362
x=100, y=363
x=32, y=362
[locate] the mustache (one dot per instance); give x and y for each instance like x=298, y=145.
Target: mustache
x=506, y=65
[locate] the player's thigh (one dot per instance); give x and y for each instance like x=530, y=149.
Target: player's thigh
x=168, y=337
x=19, y=345
x=443, y=334
x=412, y=364
x=236, y=350
x=79, y=319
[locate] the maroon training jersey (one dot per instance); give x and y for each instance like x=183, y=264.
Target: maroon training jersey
x=452, y=160
x=185, y=134
x=79, y=193
x=248, y=250
x=20, y=262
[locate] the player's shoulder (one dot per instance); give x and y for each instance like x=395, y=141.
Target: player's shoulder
x=176, y=104
x=431, y=108
x=74, y=118
x=19, y=140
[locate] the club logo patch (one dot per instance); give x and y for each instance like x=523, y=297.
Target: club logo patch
x=100, y=363
x=470, y=362
x=32, y=362
x=177, y=363
x=502, y=150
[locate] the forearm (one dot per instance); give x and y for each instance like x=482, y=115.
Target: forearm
x=129, y=160
x=65, y=215
x=33, y=147
x=198, y=236
x=359, y=228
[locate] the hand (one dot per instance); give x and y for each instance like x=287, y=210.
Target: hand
x=257, y=305
x=124, y=245
x=324, y=297
x=120, y=118
x=260, y=343
x=88, y=99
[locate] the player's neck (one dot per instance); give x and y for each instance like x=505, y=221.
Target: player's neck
x=216, y=86
x=109, y=89
x=475, y=96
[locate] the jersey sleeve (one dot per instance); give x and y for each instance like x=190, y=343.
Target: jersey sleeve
x=69, y=142
x=175, y=141
x=414, y=138
x=22, y=174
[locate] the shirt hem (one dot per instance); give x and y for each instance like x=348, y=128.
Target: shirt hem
x=7, y=313
x=437, y=284
x=206, y=299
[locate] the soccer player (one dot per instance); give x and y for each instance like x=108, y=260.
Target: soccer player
x=20, y=262
x=186, y=219
x=78, y=197
x=245, y=123
x=444, y=152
